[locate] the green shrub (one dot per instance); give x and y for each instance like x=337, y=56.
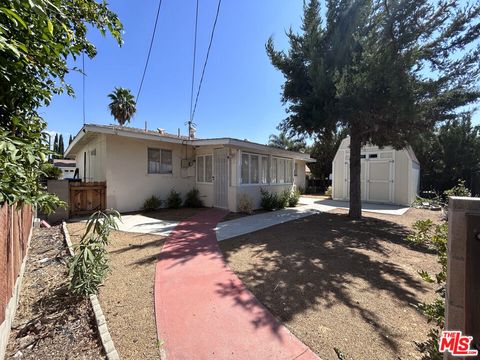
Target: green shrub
x=283, y=199
x=174, y=200
x=459, y=190
x=294, y=197
x=152, y=203
x=245, y=204
x=192, y=200
x=435, y=237
x=274, y=201
x=89, y=265
x=269, y=200
x=51, y=172
x=329, y=191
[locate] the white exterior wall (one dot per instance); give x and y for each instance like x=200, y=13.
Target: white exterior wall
x=128, y=181
x=300, y=178
x=123, y=163
x=95, y=169
x=405, y=172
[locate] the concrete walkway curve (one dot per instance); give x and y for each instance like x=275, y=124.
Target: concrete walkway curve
x=203, y=310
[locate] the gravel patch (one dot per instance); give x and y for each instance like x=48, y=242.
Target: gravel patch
x=126, y=297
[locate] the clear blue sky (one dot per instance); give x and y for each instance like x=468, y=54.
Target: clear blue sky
x=241, y=91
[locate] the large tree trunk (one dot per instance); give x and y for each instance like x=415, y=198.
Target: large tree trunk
x=355, y=164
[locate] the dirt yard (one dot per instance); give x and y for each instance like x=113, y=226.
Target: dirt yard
x=49, y=322
x=341, y=284
x=126, y=296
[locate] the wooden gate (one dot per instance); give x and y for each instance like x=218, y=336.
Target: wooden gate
x=87, y=197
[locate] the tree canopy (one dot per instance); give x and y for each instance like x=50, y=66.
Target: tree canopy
x=449, y=153
x=36, y=40
x=385, y=70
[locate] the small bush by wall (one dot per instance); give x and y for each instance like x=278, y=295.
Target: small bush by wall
x=245, y=204
x=192, y=199
x=174, y=200
x=152, y=203
x=294, y=197
x=329, y=191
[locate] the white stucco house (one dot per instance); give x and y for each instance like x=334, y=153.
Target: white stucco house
x=137, y=163
x=387, y=175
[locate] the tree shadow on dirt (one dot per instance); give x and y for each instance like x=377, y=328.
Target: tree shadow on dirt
x=316, y=261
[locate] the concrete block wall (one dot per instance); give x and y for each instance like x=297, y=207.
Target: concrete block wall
x=463, y=233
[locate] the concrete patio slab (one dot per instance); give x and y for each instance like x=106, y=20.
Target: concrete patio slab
x=387, y=209
x=146, y=225
x=229, y=229
x=204, y=311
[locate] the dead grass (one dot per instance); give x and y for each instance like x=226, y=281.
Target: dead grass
x=337, y=283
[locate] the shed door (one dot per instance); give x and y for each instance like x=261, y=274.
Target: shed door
x=362, y=180
x=220, y=181
x=380, y=181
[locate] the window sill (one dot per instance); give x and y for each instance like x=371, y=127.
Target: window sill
x=265, y=184
x=204, y=183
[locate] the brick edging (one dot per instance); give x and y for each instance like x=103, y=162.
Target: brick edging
x=100, y=320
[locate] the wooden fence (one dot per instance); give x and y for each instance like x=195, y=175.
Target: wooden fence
x=87, y=197
x=15, y=229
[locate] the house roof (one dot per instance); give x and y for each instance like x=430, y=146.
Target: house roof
x=89, y=131
x=64, y=162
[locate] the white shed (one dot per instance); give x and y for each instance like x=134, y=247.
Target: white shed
x=387, y=175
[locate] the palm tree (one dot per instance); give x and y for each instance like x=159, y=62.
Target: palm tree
x=282, y=141
x=123, y=105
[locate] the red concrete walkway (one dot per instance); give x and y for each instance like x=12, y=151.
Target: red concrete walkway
x=202, y=309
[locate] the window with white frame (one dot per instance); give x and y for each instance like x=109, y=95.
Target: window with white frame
x=159, y=161
x=254, y=169
x=281, y=171
x=264, y=170
x=204, y=168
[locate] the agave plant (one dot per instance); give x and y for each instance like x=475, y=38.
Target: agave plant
x=123, y=105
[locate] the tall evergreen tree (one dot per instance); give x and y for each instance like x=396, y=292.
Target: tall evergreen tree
x=385, y=70
x=55, y=146
x=61, y=146
x=70, y=139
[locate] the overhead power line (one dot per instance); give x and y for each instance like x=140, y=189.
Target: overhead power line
x=194, y=59
x=206, y=60
x=149, y=50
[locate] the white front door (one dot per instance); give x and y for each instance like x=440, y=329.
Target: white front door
x=220, y=180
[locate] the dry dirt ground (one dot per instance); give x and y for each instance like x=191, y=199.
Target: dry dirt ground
x=337, y=283
x=49, y=322
x=126, y=296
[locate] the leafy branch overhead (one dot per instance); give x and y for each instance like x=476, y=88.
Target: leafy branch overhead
x=36, y=39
